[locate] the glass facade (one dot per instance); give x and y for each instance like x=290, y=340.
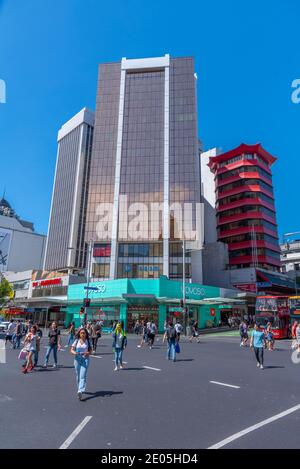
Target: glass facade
x=129, y=160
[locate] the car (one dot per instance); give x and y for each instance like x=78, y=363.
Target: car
x=4, y=326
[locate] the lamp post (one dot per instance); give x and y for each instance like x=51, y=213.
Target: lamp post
x=183, y=301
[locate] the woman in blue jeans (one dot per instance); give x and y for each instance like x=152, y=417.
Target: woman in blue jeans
x=119, y=343
x=81, y=349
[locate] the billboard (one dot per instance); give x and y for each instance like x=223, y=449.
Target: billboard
x=5, y=242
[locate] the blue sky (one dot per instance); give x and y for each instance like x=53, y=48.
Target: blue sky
x=247, y=55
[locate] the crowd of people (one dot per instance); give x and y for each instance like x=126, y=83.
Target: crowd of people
x=83, y=342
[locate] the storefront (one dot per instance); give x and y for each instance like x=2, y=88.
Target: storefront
x=131, y=300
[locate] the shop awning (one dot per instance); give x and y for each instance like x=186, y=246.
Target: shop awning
x=134, y=299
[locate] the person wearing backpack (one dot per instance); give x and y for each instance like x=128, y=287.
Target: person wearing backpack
x=81, y=349
x=172, y=339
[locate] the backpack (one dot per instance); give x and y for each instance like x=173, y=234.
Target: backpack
x=172, y=334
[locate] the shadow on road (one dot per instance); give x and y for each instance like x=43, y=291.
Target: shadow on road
x=93, y=395
x=270, y=367
x=133, y=369
x=185, y=359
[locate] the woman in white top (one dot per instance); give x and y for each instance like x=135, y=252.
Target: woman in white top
x=30, y=345
x=81, y=349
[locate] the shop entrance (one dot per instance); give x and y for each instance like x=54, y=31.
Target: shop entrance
x=106, y=314
x=141, y=314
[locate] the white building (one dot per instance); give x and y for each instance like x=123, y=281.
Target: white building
x=290, y=257
x=65, y=242
x=21, y=248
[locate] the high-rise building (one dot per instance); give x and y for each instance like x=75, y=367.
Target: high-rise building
x=65, y=242
x=21, y=248
x=145, y=152
x=245, y=208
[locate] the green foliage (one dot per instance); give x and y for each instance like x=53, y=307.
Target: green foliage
x=6, y=290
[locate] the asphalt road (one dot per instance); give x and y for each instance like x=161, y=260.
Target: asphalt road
x=175, y=405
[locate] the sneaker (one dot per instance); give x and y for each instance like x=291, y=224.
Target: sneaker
x=45, y=365
x=258, y=365
x=139, y=346
x=55, y=365
x=79, y=395
x=122, y=367
x=261, y=367
x=24, y=371
x=116, y=369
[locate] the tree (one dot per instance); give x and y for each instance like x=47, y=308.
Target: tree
x=6, y=290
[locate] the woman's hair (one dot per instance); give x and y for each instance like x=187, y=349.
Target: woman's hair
x=80, y=330
x=34, y=328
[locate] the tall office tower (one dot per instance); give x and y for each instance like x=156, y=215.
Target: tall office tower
x=65, y=242
x=145, y=151
x=246, y=216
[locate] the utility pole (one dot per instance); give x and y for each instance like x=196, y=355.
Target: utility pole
x=87, y=302
x=183, y=287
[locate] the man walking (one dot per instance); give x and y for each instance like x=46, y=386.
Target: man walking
x=257, y=341
x=172, y=339
x=53, y=344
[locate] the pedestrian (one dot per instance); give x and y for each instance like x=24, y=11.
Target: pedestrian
x=18, y=335
x=53, y=344
x=257, y=342
x=71, y=331
x=30, y=345
x=195, y=332
x=119, y=344
x=270, y=337
x=298, y=337
x=39, y=335
x=144, y=338
x=10, y=332
x=81, y=349
x=151, y=329
x=294, y=327
x=243, y=329
x=94, y=336
x=178, y=328
x=137, y=327
x=172, y=339
x=165, y=331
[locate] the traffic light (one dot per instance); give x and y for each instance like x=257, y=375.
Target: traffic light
x=86, y=302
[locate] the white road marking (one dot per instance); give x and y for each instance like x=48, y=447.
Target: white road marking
x=151, y=368
x=75, y=433
x=95, y=356
x=224, y=384
x=254, y=427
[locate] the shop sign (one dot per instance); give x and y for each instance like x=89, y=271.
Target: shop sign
x=194, y=290
x=47, y=283
x=250, y=287
x=212, y=311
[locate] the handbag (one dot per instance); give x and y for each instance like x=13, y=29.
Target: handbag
x=177, y=348
x=23, y=354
